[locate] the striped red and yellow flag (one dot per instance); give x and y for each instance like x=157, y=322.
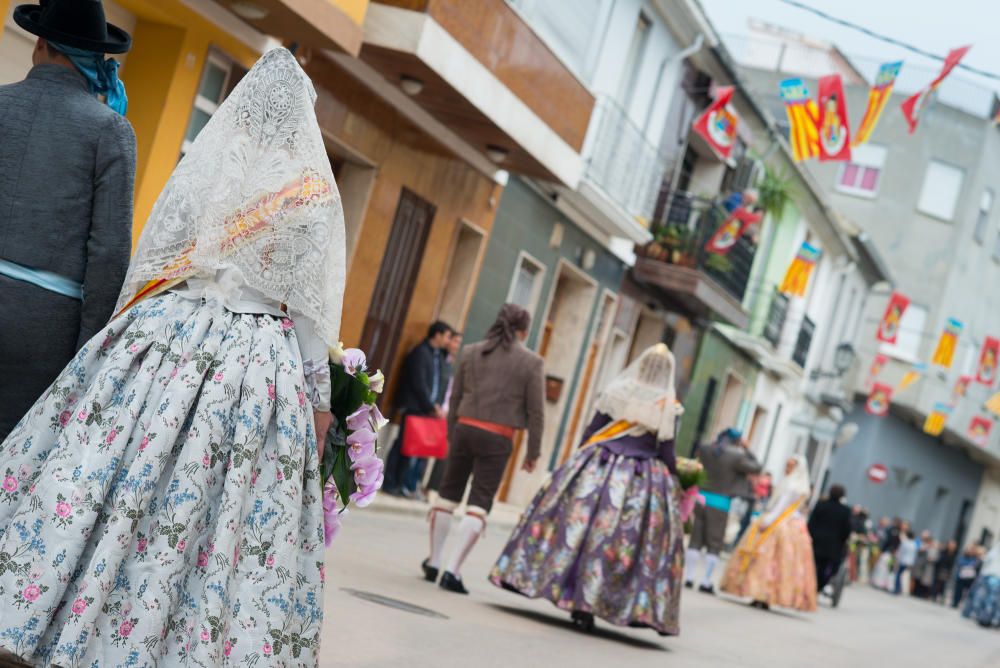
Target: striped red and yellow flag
x=878, y=96
x=803, y=115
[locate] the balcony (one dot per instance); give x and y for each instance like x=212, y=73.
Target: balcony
x=319, y=24
x=800, y=354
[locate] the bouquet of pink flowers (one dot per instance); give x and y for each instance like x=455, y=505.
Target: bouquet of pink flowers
x=692, y=476
x=351, y=470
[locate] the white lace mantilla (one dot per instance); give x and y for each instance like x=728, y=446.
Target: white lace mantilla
x=255, y=193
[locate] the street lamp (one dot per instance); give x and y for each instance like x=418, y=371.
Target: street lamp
x=843, y=358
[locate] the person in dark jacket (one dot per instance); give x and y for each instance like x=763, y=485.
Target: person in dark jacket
x=67, y=167
x=943, y=570
x=830, y=527
x=420, y=393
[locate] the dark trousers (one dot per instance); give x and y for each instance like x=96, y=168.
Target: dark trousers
x=397, y=465
x=898, y=589
x=415, y=473
x=961, y=586
x=826, y=568
x=480, y=454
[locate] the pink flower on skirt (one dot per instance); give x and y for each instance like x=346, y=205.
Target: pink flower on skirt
x=134, y=348
x=281, y=475
x=204, y=635
x=112, y=435
x=63, y=509
x=10, y=483
x=181, y=545
x=271, y=393
x=270, y=561
x=173, y=374
x=64, y=418
x=218, y=377
x=202, y=559
x=302, y=398
x=82, y=415
x=287, y=324
x=206, y=460
x=267, y=649
x=143, y=443
x=140, y=546
x=31, y=593
x=227, y=648
x=125, y=630
x=79, y=606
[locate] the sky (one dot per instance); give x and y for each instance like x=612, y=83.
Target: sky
x=934, y=26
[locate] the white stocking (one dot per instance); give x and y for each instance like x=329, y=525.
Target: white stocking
x=440, y=520
x=467, y=533
x=711, y=560
x=692, y=561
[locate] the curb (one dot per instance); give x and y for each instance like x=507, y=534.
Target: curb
x=502, y=515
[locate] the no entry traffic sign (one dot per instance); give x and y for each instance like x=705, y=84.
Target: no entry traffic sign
x=878, y=473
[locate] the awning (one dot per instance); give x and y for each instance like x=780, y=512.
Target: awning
x=317, y=24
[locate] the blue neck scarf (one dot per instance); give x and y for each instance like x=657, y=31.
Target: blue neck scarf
x=101, y=74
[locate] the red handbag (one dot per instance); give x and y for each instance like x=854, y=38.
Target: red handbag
x=425, y=437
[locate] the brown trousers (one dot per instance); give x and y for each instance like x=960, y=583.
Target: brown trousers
x=481, y=454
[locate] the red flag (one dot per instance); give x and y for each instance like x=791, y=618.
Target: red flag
x=915, y=104
x=888, y=329
x=987, y=372
x=877, y=365
x=717, y=124
x=961, y=388
x=879, y=399
x=730, y=231
x=979, y=430
x=834, y=135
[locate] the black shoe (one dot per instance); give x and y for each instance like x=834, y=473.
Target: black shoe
x=430, y=573
x=689, y=585
x=583, y=621
x=452, y=583
x=706, y=589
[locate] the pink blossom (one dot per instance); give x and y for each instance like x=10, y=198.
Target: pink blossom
x=218, y=377
x=206, y=460
x=64, y=418
x=287, y=324
x=271, y=393
x=202, y=559
x=106, y=342
x=236, y=554
x=360, y=419
x=253, y=477
x=211, y=548
x=82, y=415
x=322, y=572
x=376, y=382
x=354, y=361
x=140, y=546
x=10, y=483
x=331, y=517
x=302, y=398
x=143, y=443
x=204, y=635
x=125, y=630
x=361, y=444
x=63, y=509
x=367, y=471
x=31, y=593
x=79, y=606
x=134, y=348
x=281, y=475
x=24, y=470
x=267, y=649
x=112, y=435
x=270, y=561
x=227, y=648
x=173, y=373
x=181, y=544
x=378, y=420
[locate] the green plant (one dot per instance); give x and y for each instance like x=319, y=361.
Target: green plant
x=775, y=192
x=718, y=263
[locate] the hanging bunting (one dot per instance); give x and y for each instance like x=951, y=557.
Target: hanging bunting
x=878, y=96
x=717, y=125
x=877, y=365
x=796, y=280
x=979, y=430
x=834, y=132
x=914, y=105
x=961, y=388
x=987, y=370
x=945, y=351
x=802, y=118
x=879, y=400
x=729, y=232
x=993, y=404
x=936, y=419
x=911, y=376
x=888, y=329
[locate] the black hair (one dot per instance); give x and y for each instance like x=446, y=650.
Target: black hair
x=439, y=327
x=837, y=492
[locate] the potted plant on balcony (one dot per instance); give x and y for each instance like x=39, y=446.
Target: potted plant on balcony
x=774, y=193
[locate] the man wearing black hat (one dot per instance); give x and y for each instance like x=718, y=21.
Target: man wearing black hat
x=67, y=167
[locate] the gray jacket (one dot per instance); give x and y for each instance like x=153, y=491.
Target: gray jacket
x=727, y=469
x=67, y=169
x=505, y=387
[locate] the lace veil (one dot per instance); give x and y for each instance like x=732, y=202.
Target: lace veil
x=256, y=193
x=644, y=393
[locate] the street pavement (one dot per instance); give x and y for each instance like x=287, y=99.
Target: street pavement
x=379, y=550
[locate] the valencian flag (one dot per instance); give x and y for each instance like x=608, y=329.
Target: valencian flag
x=878, y=95
x=961, y=388
x=987, y=371
x=797, y=277
x=915, y=104
x=979, y=430
x=877, y=365
x=802, y=118
x=717, y=124
x=945, y=351
x=911, y=376
x=993, y=404
x=936, y=419
x=888, y=329
x=730, y=231
x=879, y=399
x=834, y=135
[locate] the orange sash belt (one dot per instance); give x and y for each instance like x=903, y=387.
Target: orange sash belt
x=492, y=427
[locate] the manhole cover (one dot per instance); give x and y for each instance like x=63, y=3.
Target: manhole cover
x=372, y=597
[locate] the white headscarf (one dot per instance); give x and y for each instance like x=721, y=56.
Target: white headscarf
x=797, y=482
x=644, y=394
x=256, y=193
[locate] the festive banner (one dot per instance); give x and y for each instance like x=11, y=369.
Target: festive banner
x=979, y=430
x=987, y=371
x=877, y=365
x=915, y=104
x=802, y=118
x=993, y=404
x=936, y=419
x=888, y=329
x=834, y=132
x=878, y=96
x=911, y=376
x=729, y=232
x=717, y=124
x=961, y=388
x=879, y=399
x=945, y=351
x=796, y=280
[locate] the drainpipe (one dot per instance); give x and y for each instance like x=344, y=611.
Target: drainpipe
x=695, y=47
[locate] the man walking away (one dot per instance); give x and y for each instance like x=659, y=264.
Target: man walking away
x=67, y=166
x=966, y=572
x=830, y=527
x=421, y=391
x=499, y=388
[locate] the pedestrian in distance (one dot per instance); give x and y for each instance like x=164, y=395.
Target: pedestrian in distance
x=944, y=571
x=830, y=528
x=728, y=464
x=966, y=572
x=453, y=349
x=66, y=181
x=983, y=604
x=603, y=536
x=499, y=388
x=906, y=556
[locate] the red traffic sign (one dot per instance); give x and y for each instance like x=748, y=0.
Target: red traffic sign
x=878, y=473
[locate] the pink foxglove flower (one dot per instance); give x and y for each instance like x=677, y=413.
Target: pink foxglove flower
x=361, y=444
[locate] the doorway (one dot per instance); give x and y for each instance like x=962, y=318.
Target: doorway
x=396, y=279
x=729, y=404
x=463, y=266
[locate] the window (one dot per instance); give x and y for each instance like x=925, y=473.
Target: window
x=633, y=62
x=220, y=76
x=526, y=286
x=983, y=217
x=862, y=174
x=939, y=194
x=911, y=332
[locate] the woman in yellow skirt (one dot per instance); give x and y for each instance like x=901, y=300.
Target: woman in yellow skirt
x=773, y=564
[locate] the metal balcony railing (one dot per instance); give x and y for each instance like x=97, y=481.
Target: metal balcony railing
x=801, y=353
x=776, y=315
x=626, y=166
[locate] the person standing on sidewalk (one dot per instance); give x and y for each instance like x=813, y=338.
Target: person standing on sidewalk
x=421, y=393
x=966, y=572
x=830, y=527
x=67, y=167
x=728, y=464
x=906, y=556
x=499, y=388
x=453, y=349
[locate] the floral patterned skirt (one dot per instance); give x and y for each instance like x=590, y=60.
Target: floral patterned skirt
x=603, y=536
x=160, y=504
x=780, y=572
x=983, y=603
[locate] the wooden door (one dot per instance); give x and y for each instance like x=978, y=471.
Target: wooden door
x=396, y=280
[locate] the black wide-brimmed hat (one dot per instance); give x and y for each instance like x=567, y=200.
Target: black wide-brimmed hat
x=76, y=23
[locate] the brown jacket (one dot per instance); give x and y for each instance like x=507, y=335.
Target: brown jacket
x=506, y=387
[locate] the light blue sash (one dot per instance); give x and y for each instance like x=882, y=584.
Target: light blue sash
x=43, y=279
x=717, y=501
